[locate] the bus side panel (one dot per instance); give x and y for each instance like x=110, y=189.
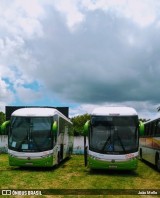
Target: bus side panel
x=142, y=142
x=150, y=148
x=65, y=140
x=156, y=143
x=68, y=140
x=150, y=155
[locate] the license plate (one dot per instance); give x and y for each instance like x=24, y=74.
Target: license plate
x=112, y=166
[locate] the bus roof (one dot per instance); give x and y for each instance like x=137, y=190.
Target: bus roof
x=157, y=117
x=114, y=111
x=38, y=112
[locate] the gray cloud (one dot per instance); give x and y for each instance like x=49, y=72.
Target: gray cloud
x=107, y=58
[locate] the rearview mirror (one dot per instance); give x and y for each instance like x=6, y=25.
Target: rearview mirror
x=55, y=127
x=86, y=127
x=141, y=128
x=4, y=127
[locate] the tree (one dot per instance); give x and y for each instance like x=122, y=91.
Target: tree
x=78, y=123
x=143, y=119
x=2, y=119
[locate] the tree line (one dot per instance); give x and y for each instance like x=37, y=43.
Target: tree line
x=2, y=119
x=78, y=123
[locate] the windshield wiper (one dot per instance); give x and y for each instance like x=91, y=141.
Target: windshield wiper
x=121, y=143
x=108, y=139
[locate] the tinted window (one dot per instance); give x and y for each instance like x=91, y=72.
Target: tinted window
x=30, y=134
x=116, y=135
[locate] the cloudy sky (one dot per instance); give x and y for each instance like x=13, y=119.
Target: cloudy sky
x=81, y=54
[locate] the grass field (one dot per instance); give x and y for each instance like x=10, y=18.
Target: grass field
x=72, y=174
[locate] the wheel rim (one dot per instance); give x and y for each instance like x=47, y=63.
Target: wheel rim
x=158, y=164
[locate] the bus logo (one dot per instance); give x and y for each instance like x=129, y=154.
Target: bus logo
x=6, y=192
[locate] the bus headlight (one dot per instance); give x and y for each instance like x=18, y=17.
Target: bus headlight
x=93, y=157
x=47, y=156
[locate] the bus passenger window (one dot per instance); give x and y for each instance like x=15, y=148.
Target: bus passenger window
x=158, y=129
x=146, y=129
x=152, y=128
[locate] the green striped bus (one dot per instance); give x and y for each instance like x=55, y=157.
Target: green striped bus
x=38, y=137
x=113, y=138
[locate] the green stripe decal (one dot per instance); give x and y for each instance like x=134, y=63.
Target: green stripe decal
x=102, y=164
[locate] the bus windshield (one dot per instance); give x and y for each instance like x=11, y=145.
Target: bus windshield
x=114, y=134
x=30, y=134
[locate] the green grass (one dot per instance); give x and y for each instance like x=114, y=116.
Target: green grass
x=72, y=174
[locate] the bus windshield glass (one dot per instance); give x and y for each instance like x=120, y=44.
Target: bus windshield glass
x=114, y=134
x=30, y=134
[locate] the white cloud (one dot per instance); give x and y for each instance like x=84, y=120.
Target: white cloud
x=70, y=8
x=3, y=89
x=145, y=110
x=82, y=109
x=21, y=18
x=6, y=96
x=27, y=95
x=30, y=27
x=141, y=12
x=33, y=9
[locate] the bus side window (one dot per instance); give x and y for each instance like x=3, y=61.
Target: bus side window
x=152, y=129
x=158, y=128
x=147, y=129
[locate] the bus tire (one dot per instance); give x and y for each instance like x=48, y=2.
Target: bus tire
x=140, y=155
x=85, y=156
x=157, y=162
x=59, y=157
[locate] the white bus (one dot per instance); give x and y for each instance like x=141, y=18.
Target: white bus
x=149, y=148
x=113, y=138
x=38, y=137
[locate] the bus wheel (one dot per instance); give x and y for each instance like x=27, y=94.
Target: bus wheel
x=59, y=158
x=85, y=156
x=157, y=162
x=140, y=154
